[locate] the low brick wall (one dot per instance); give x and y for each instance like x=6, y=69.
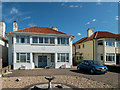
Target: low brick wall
x=113, y=68
x=6, y=68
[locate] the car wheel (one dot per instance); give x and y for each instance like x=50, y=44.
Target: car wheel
x=92, y=71
x=78, y=68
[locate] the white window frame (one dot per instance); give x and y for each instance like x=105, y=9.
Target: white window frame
x=65, y=54
x=19, y=61
x=110, y=54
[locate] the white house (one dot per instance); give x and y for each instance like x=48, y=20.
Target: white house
x=3, y=44
x=38, y=47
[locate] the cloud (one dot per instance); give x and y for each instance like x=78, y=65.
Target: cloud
x=117, y=18
x=62, y=4
x=94, y=20
x=79, y=34
x=75, y=6
x=28, y=17
x=14, y=10
x=31, y=24
x=87, y=23
x=98, y=2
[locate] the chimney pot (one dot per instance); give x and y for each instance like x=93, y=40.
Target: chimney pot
x=55, y=28
x=2, y=28
x=89, y=32
x=15, y=26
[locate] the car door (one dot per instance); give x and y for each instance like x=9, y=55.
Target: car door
x=86, y=65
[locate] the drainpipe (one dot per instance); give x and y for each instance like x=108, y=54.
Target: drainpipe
x=93, y=50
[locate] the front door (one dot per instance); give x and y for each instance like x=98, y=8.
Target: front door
x=42, y=61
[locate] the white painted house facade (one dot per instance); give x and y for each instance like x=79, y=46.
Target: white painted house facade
x=39, y=47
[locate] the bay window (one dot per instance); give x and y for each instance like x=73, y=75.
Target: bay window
x=110, y=43
x=63, y=41
x=22, y=39
x=23, y=57
x=118, y=44
x=63, y=57
x=110, y=57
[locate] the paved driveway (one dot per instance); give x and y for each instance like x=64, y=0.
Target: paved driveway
x=109, y=78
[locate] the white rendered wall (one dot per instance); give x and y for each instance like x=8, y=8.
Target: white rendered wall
x=36, y=48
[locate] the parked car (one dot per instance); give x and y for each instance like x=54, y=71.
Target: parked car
x=92, y=66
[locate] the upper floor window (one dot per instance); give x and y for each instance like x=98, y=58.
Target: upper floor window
x=40, y=39
x=83, y=45
x=46, y=40
x=62, y=40
x=35, y=39
x=100, y=42
x=118, y=44
x=110, y=43
x=22, y=39
x=52, y=40
x=79, y=46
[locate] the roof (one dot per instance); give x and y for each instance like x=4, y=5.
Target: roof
x=39, y=30
x=97, y=35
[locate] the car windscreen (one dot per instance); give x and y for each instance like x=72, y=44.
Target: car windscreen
x=93, y=62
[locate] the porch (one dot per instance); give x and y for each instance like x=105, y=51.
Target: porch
x=44, y=60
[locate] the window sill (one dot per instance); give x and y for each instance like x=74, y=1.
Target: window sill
x=110, y=62
x=43, y=44
x=22, y=43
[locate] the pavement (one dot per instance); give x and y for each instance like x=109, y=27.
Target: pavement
x=110, y=78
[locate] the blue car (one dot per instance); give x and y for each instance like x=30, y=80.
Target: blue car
x=92, y=66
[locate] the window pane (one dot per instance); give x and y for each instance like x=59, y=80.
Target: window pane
x=67, y=57
x=28, y=39
x=79, y=46
x=22, y=40
x=62, y=57
x=52, y=58
x=17, y=39
x=28, y=56
x=83, y=45
x=23, y=57
x=58, y=40
x=62, y=40
x=17, y=56
x=46, y=39
x=58, y=57
x=40, y=39
x=52, y=40
x=67, y=40
x=35, y=39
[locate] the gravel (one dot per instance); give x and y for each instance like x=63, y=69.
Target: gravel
x=73, y=81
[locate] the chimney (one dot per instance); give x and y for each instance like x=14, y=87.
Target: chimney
x=15, y=26
x=89, y=32
x=55, y=28
x=2, y=28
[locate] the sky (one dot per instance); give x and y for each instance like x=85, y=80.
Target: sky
x=70, y=17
